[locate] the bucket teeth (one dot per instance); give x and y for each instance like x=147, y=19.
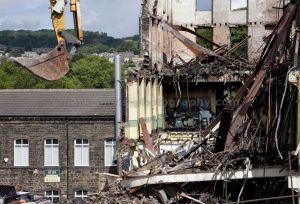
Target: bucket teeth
x=51, y=66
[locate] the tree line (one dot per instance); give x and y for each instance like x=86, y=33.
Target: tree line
x=95, y=42
x=85, y=72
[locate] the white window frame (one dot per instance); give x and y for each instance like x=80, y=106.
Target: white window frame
x=52, y=146
x=81, y=146
x=52, y=196
x=24, y=161
x=81, y=196
x=113, y=150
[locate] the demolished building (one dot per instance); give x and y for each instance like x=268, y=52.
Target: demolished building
x=179, y=90
x=204, y=124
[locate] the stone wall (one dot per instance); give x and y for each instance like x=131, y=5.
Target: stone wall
x=66, y=131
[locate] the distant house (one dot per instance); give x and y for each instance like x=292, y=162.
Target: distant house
x=56, y=142
x=125, y=56
x=41, y=50
x=30, y=54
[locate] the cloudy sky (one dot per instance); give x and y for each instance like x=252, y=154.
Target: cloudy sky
x=118, y=18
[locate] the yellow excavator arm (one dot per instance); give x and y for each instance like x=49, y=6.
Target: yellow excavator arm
x=58, y=18
x=55, y=64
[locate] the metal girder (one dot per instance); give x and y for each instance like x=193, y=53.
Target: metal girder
x=279, y=37
x=204, y=176
x=198, y=50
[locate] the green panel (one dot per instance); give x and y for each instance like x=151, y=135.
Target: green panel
x=161, y=121
x=131, y=123
x=154, y=122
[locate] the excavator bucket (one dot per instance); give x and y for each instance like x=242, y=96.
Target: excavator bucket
x=51, y=66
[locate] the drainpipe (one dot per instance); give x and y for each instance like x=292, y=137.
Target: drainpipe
x=118, y=90
x=68, y=156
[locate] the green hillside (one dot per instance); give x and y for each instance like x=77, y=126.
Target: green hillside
x=86, y=70
x=94, y=42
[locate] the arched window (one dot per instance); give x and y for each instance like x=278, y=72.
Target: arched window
x=21, y=152
x=53, y=195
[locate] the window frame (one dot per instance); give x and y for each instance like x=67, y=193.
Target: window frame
x=245, y=45
x=113, y=145
x=52, y=196
x=81, y=146
x=81, y=196
x=210, y=37
x=200, y=10
x=238, y=9
x=22, y=145
x=52, y=145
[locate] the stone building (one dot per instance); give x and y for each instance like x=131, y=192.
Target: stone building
x=56, y=142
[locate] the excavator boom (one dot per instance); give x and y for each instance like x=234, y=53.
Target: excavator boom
x=55, y=64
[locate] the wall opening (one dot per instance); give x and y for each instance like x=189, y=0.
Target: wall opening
x=238, y=4
x=204, y=5
x=197, y=105
x=206, y=32
x=237, y=34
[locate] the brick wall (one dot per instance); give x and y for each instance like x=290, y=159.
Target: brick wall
x=36, y=130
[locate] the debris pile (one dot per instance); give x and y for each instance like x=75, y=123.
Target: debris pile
x=247, y=146
x=208, y=71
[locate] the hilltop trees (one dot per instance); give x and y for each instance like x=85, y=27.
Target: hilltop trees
x=94, y=42
x=85, y=72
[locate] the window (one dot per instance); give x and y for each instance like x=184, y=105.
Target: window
x=82, y=152
x=237, y=35
x=80, y=195
x=21, y=152
x=51, y=152
x=53, y=195
x=204, y=5
x=206, y=32
x=110, y=149
x=238, y=4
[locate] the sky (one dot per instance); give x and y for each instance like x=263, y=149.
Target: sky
x=118, y=18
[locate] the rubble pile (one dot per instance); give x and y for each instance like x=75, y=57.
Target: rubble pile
x=256, y=130
x=207, y=71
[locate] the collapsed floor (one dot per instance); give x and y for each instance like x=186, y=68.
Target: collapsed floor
x=245, y=154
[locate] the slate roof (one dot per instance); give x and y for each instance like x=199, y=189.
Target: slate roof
x=57, y=102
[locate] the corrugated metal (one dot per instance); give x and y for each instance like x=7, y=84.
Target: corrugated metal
x=57, y=102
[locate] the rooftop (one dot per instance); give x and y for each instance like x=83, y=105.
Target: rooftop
x=57, y=102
